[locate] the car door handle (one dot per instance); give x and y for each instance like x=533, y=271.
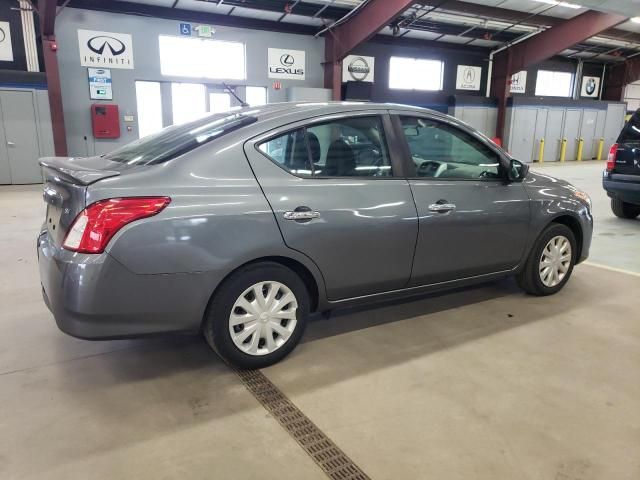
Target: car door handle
x=442, y=207
x=11, y=144
x=301, y=215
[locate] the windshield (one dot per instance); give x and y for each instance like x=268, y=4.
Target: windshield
x=631, y=131
x=178, y=139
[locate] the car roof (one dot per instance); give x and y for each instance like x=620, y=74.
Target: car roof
x=273, y=110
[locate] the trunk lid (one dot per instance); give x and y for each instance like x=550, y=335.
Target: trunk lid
x=65, y=187
x=628, y=155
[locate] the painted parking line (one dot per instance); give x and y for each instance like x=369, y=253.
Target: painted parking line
x=612, y=269
x=327, y=455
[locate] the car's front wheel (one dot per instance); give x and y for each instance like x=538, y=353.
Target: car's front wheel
x=624, y=210
x=257, y=316
x=550, y=261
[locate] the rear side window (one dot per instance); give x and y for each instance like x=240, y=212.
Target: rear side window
x=350, y=147
x=178, y=139
x=631, y=131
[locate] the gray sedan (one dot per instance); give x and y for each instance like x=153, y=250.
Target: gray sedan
x=240, y=225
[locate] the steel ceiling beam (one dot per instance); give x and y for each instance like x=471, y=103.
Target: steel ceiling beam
x=540, y=47
x=343, y=38
x=525, y=18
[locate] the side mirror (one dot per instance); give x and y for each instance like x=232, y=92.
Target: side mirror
x=517, y=171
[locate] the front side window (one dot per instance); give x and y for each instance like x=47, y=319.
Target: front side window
x=442, y=151
x=350, y=147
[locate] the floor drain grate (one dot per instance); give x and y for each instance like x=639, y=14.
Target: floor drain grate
x=318, y=446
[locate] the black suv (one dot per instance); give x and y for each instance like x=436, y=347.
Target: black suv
x=622, y=178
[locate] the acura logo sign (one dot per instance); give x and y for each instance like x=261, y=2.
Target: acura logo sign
x=98, y=45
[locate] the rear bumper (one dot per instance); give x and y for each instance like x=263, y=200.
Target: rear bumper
x=627, y=190
x=96, y=297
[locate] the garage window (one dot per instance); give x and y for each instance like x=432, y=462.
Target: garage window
x=201, y=58
x=415, y=74
x=554, y=84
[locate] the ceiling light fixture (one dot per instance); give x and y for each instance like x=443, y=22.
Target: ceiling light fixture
x=635, y=19
x=560, y=4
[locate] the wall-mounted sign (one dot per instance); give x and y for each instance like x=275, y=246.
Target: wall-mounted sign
x=185, y=29
x=205, y=31
x=468, y=77
x=358, y=68
x=519, y=82
x=288, y=64
x=100, y=84
x=6, y=49
x=590, y=87
x=105, y=49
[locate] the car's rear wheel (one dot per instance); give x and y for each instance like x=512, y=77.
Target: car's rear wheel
x=257, y=316
x=624, y=210
x=550, y=261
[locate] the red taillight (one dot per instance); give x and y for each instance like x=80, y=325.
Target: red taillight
x=611, y=158
x=99, y=222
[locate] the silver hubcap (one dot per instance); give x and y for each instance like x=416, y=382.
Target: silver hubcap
x=263, y=318
x=555, y=261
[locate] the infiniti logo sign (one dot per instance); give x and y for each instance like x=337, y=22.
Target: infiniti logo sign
x=105, y=49
x=98, y=44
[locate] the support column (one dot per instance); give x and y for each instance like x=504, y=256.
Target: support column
x=49, y=50
x=500, y=86
x=332, y=68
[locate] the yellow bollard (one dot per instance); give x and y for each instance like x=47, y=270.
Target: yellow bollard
x=600, y=148
x=563, y=149
x=541, y=151
x=580, y=147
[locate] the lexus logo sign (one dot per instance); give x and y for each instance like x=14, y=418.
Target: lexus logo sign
x=287, y=60
x=105, y=49
x=288, y=64
x=98, y=44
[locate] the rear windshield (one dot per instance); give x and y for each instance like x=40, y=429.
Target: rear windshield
x=178, y=139
x=631, y=131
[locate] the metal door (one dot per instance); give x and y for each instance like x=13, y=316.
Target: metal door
x=571, y=132
x=553, y=134
x=522, y=141
x=588, y=133
x=5, y=171
x=21, y=136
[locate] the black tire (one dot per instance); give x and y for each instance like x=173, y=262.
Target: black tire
x=624, y=210
x=529, y=277
x=216, y=323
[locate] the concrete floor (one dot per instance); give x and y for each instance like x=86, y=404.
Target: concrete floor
x=485, y=383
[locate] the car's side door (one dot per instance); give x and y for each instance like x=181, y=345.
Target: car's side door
x=472, y=221
x=339, y=197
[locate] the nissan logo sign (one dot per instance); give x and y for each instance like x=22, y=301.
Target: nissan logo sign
x=358, y=68
x=98, y=45
x=287, y=60
x=2, y=35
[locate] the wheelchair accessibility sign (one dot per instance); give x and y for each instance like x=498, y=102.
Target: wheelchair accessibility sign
x=185, y=29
